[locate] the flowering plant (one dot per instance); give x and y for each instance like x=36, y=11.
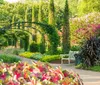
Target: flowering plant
x=86, y=33
x=37, y=73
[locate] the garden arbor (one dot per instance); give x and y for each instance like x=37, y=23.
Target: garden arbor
x=44, y=28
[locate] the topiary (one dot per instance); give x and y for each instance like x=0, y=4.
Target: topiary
x=42, y=48
x=34, y=47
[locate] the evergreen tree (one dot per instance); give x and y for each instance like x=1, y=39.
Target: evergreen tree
x=40, y=16
x=51, y=16
x=34, y=19
x=33, y=14
x=40, y=19
x=26, y=14
x=66, y=29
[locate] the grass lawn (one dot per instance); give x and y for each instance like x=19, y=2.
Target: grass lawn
x=95, y=68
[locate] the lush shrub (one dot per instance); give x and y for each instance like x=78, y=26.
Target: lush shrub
x=48, y=58
x=12, y=50
x=34, y=47
x=26, y=54
x=26, y=42
x=36, y=56
x=18, y=51
x=79, y=66
x=90, y=51
x=75, y=48
x=95, y=68
x=8, y=58
x=42, y=48
x=36, y=74
x=79, y=24
x=3, y=42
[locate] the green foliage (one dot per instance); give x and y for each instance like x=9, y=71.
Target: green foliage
x=66, y=29
x=26, y=54
x=48, y=58
x=26, y=42
x=42, y=48
x=11, y=50
x=34, y=13
x=36, y=56
x=8, y=58
x=16, y=35
x=1, y=1
x=73, y=7
x=51, y=16
x=40, y=14
x=3, y=41
x=90, y=52
x=79, y=66
x=31, y=55
x=75, y=48
x=95, y=68
x=85, y=6
x=52, y=35
x=82, y=23
x=34, y=47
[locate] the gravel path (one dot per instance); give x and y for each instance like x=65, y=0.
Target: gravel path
x=88, y=77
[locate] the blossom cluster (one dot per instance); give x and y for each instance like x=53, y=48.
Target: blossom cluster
x=37, y=73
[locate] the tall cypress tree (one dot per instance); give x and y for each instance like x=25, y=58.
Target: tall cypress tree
x=34, y=19
x=51, y=16
x=33, y=14
x=40, y=16
x=23, y=27
x=26, y=14
x=66, y=29
x=40, y=19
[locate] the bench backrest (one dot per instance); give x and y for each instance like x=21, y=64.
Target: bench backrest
x=72, y=53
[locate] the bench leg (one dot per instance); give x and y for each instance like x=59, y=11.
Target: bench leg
x=61, y=61
x=68, y=61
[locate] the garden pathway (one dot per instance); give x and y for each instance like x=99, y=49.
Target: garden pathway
x=88, y=77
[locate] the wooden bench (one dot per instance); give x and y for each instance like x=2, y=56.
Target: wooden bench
x=68, y=57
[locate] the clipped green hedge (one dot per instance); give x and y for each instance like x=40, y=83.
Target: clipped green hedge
x=34, y=47
x=26, y=54
x=39, y=56
x=8, y=58
x=48, y=58
x=36, y=56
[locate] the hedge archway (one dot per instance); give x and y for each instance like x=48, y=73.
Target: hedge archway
x=46, y=28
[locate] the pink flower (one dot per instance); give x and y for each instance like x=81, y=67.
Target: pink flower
x=3, y=76
x=66, y=74
x=17, y=74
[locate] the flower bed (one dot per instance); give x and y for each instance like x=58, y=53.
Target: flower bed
x=36, y=74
